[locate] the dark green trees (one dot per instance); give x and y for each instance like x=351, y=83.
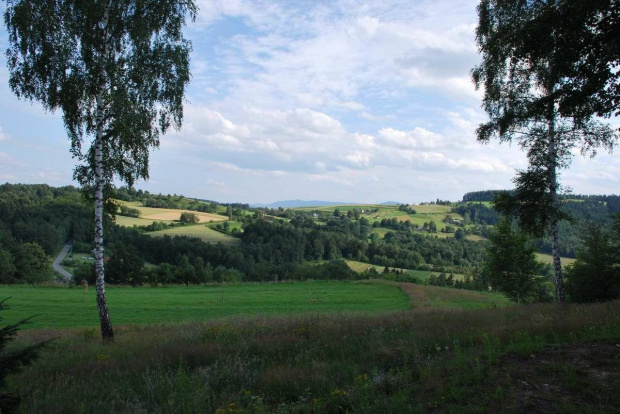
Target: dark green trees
x=525, y=67
x=12, y=362
x=187, y=217
x=595, y=276
x=117, y=71
x=125, y=266
x=511, y=265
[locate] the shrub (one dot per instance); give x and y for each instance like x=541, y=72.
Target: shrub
x=13, y=361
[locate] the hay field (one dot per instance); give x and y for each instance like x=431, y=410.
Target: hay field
x=148, y=215
x=423, y=275
x=203, y=232
x=548, y=259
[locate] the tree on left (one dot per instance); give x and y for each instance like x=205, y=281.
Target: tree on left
x=118, y=71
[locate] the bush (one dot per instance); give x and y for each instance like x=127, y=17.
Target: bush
x=595, y=276
x=12, y=362
x=189, y=218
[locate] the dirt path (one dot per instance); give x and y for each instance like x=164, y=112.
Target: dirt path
x=62, y=272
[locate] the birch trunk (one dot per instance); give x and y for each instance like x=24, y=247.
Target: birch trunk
x=107, y=334
x=553, y=190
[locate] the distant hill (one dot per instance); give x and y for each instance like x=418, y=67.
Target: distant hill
x=301, y=203
x=391, y=203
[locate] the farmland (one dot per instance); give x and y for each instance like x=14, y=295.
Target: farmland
x=421, y=275
x=203, y=232
x=148, y=215
x=65, y=308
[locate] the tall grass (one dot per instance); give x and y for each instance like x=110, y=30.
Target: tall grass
x=407, y=361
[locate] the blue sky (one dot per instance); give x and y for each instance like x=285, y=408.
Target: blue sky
x=335, y=100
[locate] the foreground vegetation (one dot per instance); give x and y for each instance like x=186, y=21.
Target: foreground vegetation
x=405, y=362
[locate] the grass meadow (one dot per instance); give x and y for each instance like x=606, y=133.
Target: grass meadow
x=507, y=360
x=61, y=307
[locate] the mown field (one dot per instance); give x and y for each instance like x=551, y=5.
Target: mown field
x=548, y=259
x=148, y=215
x=541, y=358
x=61, y=307
x=424, y=213
x=422, y=275
x=201, y=231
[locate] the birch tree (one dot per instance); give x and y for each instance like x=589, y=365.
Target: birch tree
x=117, y=70
x=523, y=71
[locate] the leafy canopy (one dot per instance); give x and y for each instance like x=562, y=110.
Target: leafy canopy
x=64, y=53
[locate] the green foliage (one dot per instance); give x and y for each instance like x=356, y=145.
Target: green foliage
x=511, y=265
x=32, y=264
x=128, y=211
x=595, y=276
x=125, y=266
x=12, y=362
x=125, y=63
x=7, y=267
x=190, y=218
x=524, y=65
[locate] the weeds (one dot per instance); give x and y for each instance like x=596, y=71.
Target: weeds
x=438, y=361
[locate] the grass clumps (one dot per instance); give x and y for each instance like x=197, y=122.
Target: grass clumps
x=409, y=361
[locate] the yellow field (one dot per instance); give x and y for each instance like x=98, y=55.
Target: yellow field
x=149, y=215
x=203, y=232
x=474, y=237
x=423, y=275
x=548, y=259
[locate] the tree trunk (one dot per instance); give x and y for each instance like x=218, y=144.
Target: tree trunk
x=553, y=190
x=107, y=334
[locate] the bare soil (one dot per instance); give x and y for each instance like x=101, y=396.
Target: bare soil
x=574, y=378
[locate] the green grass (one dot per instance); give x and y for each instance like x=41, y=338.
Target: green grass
x=201, y=231
x=64, y=307
x=447, y=361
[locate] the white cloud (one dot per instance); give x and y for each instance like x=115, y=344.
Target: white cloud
x=214, y=183
x=3, y=136
x=417, y=138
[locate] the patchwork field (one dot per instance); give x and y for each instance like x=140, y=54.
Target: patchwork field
x=203, y=232
x=423, y=275
x=149, y=215
x=548, y=259
x=424, y=213
x=61, y=307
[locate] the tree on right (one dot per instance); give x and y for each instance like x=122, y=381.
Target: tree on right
x=529, y=67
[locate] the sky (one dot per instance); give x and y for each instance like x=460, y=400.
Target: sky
x=338, y=100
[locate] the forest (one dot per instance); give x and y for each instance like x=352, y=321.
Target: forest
x=37, y=220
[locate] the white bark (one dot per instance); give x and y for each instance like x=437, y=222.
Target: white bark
x=107, y=333
x=553, y=183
